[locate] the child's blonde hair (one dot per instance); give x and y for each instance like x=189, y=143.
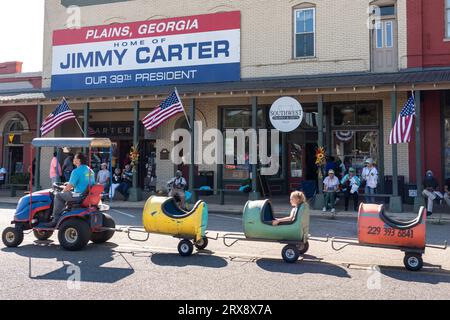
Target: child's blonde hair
x=299, y=195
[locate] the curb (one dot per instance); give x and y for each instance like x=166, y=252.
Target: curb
x=314, y=213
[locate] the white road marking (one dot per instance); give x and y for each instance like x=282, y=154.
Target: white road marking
x=224, y=216
x=123, y=213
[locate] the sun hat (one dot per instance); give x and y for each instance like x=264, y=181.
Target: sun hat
x=330, y=171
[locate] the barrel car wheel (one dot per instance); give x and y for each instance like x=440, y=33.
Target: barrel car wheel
x=413, y=261
x=202, y=243
x=290, y=253
x=185, y=248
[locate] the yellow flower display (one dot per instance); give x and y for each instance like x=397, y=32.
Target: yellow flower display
x=134, y=156
x=320, y=156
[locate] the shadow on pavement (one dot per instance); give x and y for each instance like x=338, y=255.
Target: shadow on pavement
x=302, y=267
x=175, y=260
x=431, y=276
x=89, y=261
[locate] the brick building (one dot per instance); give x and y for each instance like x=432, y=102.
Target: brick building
x=17, y=117
x=351, y=73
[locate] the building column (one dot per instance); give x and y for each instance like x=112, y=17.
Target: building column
x=135, y=191
x=86, y=114
x=319, y=199
x=192, y=153
x=37, y=171
x=254, y=195
x=418, y=200
x=284, y=162
x=395, y=201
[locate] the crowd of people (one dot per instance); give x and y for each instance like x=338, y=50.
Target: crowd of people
x=348, y=182
x=121, y=180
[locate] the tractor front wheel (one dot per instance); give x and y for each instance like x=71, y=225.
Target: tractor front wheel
x=12, y=237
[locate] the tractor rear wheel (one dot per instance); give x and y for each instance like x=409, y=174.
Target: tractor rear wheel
x=103, y=236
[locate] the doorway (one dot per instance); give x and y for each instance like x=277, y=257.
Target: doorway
x=385, y=41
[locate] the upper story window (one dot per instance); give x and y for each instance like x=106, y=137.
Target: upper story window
x=305, y=29
x=447, y=17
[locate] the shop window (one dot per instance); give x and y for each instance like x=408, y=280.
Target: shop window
x=241, y=118
x=305, y=20
x=447, y=134
x=387, y=11
x=344, y=115
x=355, y=114
x=352, y=147
x=447, y=17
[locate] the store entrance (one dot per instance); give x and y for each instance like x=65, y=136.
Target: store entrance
x=302, y=170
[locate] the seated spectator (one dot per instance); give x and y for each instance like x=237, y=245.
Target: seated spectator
x=127, y=182
x=103, y=177
x=116, y=181
x=350, y=185
x=330, y=187
x=430, y=191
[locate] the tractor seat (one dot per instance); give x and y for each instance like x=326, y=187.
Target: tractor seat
x=94, y=196
x=90, y=198
x=403, y=225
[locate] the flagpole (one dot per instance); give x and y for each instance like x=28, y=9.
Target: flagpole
x=82, y=131
x=184, y=111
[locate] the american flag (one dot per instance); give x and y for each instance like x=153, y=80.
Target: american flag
x=401, y=132
x=167, y=109
x=61, y=114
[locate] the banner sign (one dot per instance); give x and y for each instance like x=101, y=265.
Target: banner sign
x=194, y=49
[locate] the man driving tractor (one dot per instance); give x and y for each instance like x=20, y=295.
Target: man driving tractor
x=80, y=179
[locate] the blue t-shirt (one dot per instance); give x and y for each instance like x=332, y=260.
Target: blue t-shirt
x=80, y=178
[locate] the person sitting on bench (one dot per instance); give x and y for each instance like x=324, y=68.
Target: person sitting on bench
x=430, y=185
x=297, y=199
x=80, y=179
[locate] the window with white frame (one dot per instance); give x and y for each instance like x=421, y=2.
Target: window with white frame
x=305, y=32
x=447, y=17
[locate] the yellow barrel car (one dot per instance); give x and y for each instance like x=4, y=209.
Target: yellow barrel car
x=163, y=216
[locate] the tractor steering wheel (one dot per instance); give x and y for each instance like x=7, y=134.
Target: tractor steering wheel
x=58, y=186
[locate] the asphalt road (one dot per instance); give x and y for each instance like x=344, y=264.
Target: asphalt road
x=123, y=269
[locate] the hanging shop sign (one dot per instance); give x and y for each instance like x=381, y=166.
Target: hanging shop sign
x=194, y=49
x=286, y=114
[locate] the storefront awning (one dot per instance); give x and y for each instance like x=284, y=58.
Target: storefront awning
x=72, y=142
x=429, y=79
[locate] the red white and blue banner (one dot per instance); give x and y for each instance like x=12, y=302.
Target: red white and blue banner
x=194, y=49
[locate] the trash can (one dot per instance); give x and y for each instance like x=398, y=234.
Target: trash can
x=410, y=193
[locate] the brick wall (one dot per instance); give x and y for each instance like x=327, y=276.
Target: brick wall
x=343, y=39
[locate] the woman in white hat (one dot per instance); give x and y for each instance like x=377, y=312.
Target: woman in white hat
x=370, y=176
x=330, y=187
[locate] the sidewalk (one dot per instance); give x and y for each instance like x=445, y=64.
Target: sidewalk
x=235, y=203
